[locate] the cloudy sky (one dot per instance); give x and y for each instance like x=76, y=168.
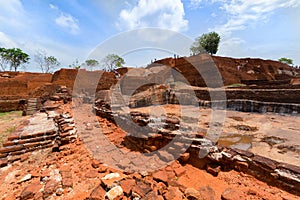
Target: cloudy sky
x=72, y=29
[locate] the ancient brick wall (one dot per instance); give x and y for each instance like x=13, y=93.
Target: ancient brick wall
x=232, y=70
x=16, y=86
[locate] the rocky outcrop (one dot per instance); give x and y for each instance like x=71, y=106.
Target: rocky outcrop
x=278, y=174
x=200, y=149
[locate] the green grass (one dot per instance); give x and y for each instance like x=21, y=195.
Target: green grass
x=236, y=85
x=5, y=118
x=10, y=114
x=10, y=129
x=5, y=134
x=2, y=139
x=3, y=114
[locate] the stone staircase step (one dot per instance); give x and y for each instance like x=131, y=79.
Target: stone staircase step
x=30, y=140
x=22, y=149
x=40, y=133
x=20, y=136
x=31, y=106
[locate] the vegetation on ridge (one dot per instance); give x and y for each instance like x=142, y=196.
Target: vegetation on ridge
x=13, y=58
x=287, y=61
x=208, y=42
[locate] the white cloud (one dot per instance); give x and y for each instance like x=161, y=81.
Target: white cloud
x=52, y=6
x=20, y=29
x=66, y=20
x=69, y=22
x=232, y=46
x=13, y=7
x=213, y=14
x=242, y=13
x=65, y=53
x=195, y=4
x=6, y=41
x=12, y=14
x=167, y=14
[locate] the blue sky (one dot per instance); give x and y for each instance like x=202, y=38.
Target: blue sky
x=72, y=29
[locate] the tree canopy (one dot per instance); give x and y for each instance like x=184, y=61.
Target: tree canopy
x=14, y=57
x=208, y=42
x=3, y=59
x=112, y=61
x=287, y=61
x=91, y=63
x=46, y=63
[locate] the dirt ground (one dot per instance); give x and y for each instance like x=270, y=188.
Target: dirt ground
x=271, y=135
x=86, y=176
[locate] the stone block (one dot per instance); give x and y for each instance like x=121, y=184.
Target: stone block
x=266, y=163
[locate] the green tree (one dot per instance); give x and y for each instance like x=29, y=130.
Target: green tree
x=287, y=61
x=16, y=57
x=208, y=42
x=46, y=63
x=3, y=59
x=112, y=61
x=91, y=63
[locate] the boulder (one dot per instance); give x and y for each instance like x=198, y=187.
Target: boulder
x=161, y=176
x=179, y=171
x=95, y=164
x=98, y=193
x=192, y=194
x=30, y=191
x=213, y=169
x=207, y=193
x=127, y=185
x=232, y=194
x=111, y=179
x=165, y=156
x=67, y=180
x=173, y=193
x=50, y=188
x=184, y=157
x=114, y=193
x=142, y=188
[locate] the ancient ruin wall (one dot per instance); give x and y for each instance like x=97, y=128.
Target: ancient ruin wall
x=203, y=152
x=233, y=70
x=67, y=77
x=16, y=86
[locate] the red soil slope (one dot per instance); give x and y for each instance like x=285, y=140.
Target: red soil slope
x=232, y=70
